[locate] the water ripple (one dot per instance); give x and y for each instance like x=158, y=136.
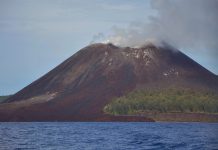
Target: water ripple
x=108, y=136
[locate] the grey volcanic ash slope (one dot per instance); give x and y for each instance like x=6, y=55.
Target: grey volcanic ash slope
x=81, y=86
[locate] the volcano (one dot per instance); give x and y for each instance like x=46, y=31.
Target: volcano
x=80, y=87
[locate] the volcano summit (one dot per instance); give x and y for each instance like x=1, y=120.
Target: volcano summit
x=80, y=87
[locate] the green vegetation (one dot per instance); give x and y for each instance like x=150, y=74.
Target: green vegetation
x=2, y=98
x=164, y=101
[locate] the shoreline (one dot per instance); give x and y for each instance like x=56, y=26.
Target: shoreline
x=179, y=117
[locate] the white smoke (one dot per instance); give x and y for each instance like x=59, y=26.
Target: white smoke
x=100, y=37
x=187, y=24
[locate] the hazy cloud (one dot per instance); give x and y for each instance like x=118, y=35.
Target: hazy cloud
x=116, y=7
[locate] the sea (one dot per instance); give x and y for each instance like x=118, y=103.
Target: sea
x=108, y=136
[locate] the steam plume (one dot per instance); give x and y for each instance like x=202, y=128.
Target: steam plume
x=189, y=24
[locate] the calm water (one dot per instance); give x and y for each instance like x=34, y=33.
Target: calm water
x=108, y=136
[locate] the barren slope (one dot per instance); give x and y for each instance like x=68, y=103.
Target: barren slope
x=81, y=86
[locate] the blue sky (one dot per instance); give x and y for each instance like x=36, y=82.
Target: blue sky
x=37, y=35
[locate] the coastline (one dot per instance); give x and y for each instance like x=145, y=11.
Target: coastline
x=178, y=117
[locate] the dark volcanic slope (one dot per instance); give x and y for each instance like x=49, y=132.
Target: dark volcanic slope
x=81, y=86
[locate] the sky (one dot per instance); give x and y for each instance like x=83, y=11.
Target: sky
x=37, y=35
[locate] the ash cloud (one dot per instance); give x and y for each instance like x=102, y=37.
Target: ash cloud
x=186, y=24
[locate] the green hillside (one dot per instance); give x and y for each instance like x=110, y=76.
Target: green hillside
x=2, y=98
x=164, y=101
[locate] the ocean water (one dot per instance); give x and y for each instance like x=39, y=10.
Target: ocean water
x=108, y=136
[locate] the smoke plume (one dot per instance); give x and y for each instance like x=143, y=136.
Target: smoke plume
x=187, y=24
